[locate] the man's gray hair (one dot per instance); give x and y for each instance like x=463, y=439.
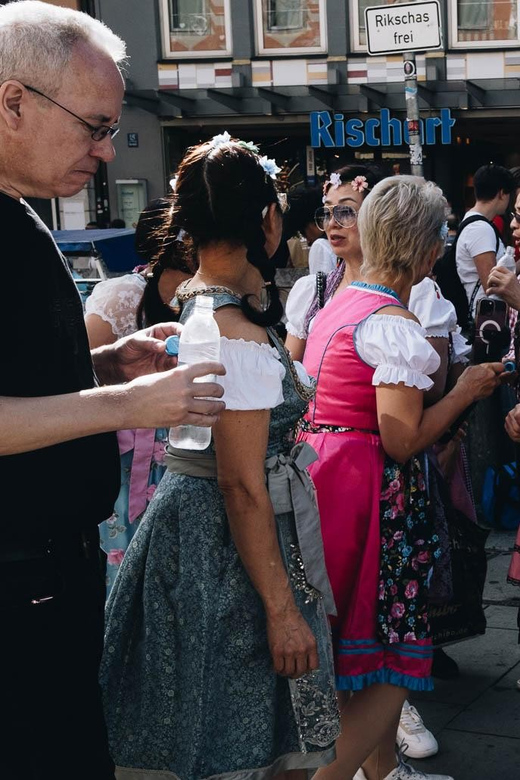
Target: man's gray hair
x=37, y=41
x=400, y=223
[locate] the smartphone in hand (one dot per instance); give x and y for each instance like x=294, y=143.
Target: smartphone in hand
x=492, y=333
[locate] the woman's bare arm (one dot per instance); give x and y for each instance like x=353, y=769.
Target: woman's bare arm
x=295, y=346
x=241, y=444
x=407, y=428
x=99, y=331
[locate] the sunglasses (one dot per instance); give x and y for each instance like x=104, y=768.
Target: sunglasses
x=344, y=216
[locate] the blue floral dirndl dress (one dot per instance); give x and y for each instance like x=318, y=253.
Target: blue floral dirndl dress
x=189, y=688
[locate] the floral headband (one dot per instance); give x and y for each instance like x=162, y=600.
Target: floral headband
x=270, y=167
x=359, y=184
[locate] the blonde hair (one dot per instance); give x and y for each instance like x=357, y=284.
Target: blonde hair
x=37, y=41
x=400, y=222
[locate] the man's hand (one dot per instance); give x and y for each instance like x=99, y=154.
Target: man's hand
x=136, y=355
x=513, y=424
x=170, y=398
x=505, y=284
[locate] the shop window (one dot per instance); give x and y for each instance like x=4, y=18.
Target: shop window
x=285, y=15
x=290, y=26
x=189, y=16
x=194, y=28
x=483, y=23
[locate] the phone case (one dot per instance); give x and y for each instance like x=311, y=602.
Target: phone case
x=492, y=333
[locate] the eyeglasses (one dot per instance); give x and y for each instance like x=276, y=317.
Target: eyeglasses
x=515, y=215
x=96, y=133
x=345, y=216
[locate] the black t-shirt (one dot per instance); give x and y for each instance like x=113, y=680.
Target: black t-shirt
x=44, y=351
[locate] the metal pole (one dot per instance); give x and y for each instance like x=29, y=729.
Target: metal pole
x=412, y=113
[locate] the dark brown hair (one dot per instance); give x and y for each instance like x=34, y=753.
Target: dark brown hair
x=221, y=192
x=159, y=253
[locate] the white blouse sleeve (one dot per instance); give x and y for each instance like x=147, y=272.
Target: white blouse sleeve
x=460, y=347
x=321, y=257
x=254, y=374
x=298, y=304
x=398, y=350
x=116, y=301
x=436, y=314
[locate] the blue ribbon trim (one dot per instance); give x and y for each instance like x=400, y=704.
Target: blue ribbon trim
x=390, y=676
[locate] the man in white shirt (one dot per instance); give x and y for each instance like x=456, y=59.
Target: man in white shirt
x=479, y=245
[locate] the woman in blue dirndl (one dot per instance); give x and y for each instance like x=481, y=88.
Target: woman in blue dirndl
x=217, y=660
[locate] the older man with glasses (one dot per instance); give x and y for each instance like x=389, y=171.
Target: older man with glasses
x=61, y=93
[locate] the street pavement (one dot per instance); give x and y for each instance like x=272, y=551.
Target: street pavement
x=476, y=717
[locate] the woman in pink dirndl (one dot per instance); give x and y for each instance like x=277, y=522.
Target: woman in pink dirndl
x=372, y=363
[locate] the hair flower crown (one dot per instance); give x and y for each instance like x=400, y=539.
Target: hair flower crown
x=359, y=184
x=220, y=140
x=269, y=166
x=249, y=145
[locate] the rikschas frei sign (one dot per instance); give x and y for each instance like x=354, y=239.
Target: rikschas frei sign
x=403, y=27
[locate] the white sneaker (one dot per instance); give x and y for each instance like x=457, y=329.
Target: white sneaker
x=413, y=738
x=407, y=772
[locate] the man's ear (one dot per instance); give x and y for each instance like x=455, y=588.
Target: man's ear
x=11, y=97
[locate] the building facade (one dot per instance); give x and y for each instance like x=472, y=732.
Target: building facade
x=261, y=68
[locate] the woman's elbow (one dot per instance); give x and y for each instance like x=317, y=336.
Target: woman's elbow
x=400, y=451
x=236, y=491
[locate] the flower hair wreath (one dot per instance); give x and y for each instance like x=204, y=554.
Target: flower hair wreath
x=358, y=184
x=269, y=165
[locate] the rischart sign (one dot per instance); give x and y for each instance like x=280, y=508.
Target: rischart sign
x=332, y=131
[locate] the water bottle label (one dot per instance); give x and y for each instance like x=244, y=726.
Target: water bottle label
x=196, y=353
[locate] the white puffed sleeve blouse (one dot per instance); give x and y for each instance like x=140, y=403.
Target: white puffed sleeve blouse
x=438, y=317
x=116, y=301
x=254, y=375
x=398, y=350
x=298, y=304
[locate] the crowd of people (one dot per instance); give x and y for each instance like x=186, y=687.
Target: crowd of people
x=272, y=597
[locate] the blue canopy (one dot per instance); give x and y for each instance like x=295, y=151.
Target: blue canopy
x=116, y=246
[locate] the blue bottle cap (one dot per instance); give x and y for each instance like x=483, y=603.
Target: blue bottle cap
x=172, y=346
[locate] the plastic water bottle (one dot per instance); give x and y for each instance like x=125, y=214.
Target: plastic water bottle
x=199, y=341
x=506, y=261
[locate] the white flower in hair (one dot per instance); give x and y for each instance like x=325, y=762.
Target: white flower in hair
x=269, y=166
x=334, y=181
x=223, y=138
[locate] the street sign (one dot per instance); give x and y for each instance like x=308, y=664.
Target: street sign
x=405, y=27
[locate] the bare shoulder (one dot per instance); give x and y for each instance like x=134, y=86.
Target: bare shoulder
x=233, y=324
x=398, y=311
